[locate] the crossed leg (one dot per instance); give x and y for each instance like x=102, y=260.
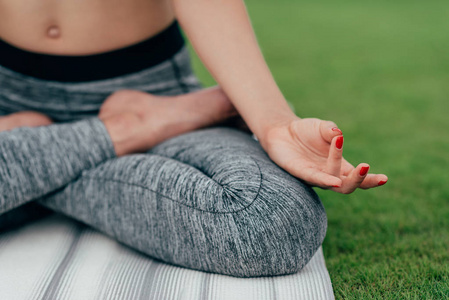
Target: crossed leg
x=209, y=200
x=164, y=117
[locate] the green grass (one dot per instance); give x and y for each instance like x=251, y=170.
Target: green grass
x=380, y=70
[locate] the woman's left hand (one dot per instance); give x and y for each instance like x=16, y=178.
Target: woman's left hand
x=312, y=150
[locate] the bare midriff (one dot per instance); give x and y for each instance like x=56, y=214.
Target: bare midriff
x=81, y=27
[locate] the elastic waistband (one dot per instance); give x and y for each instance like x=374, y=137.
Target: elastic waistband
x=134, y=58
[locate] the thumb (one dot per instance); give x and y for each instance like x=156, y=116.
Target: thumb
x=329, y=130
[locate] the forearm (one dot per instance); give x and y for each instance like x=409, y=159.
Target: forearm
x=221, y=33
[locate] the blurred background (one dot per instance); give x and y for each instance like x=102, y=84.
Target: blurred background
x=380, y=70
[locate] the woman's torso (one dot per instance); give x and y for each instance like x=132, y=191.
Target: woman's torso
x=87, y=27
x=81, y=27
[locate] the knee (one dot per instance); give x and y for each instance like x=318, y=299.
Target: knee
x=280, y=232
x=265, y=221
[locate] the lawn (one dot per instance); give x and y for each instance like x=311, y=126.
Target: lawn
x=380, y=70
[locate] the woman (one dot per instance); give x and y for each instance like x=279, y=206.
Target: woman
x=86, y=84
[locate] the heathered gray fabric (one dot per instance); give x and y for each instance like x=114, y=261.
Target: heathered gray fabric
x=37, y=161
x=208, y=200
x=64, y=102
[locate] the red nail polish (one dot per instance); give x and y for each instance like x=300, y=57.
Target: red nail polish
x=336, y=186
x=382, y=182
x=363, y=171
x=336, y=129
x=339, y=142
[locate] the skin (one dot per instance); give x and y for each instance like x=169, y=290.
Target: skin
x=306, y=148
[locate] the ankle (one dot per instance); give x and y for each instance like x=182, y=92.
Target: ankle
x=122, y=129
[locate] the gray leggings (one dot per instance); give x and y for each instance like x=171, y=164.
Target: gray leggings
x=208, y=200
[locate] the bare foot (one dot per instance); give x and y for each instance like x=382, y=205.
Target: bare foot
x=137, y=121
x=24, y=119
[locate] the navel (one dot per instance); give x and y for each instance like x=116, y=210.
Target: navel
x=53, y=32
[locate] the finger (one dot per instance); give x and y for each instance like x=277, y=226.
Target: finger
x=318, y=178
x=346, y=167
x=334, y=159
x=373, y=180
x=329, y=130
x=354, y=179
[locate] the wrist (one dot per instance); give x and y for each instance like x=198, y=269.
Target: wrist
x=272, y=122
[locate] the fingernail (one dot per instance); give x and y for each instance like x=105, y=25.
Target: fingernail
x=363, y=171
x=382, y=182
x=336, y=186
x=337, y=129
x=339, y=142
